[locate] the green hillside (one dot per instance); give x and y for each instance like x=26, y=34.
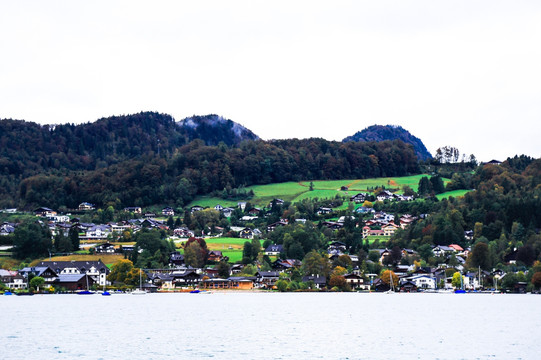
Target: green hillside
x=325, y=189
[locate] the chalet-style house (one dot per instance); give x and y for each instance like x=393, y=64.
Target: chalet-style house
x=274, y=250
x=215, y=256
x=168, y=211
x=359, y=198
x=323, y=211
x=389, y=229
x=183, y=232
x=271, y=227
x=176, y=258
x=365, y=210
x=106, y=248
x=278, y=202
x=12, y=279
x=287, y=264
x=442, y=250
x=246, y=233
x=133, y=209
x=7, y=229
x=44, y=212
x=367, y=231
x=356, y=281
x=318, y=281
x=46, y=272
x=267, y=279
x=95, y=269
x=85, y=206
x=196, y=208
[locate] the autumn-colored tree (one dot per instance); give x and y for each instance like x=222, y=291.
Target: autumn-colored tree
x=194, y=255
x=342, y=261
x=340, y=282
x=124, y=272
x=195, y=252
x=387, y=276
x=338, y=271
x=315, y=264
x=536, y=280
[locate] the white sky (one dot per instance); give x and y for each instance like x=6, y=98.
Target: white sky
x=460, y=73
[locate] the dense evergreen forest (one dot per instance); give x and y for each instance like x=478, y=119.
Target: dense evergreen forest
x=147, y=158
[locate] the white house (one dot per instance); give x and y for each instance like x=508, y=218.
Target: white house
x=423, y=282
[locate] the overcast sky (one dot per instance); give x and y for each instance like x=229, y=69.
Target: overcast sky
x=459, y=73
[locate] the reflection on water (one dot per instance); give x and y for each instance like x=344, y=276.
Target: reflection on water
x=271, y=326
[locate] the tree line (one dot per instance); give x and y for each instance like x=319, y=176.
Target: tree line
x=196, y=168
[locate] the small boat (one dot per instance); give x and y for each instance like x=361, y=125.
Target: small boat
x=196, y=291
x=8, y=293
x=24, y=294
x=85, y=292
x=139, y=291
x=106, y=293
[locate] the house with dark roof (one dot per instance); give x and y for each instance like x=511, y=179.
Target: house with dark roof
x=176, y=258
x=319, y=281
x=267, y=279
x=215, y=255
x=168, y=211
x=95, y=269
x=44, y=211
x=274, y=250
x=359, y=198
x=106, y=248
x=86, y=206
x=74, y=282
x=12, y=279
x=46, y=272
x=356, y=281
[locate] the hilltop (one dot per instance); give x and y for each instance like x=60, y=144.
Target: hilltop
x=213, y=129
x=391, y=132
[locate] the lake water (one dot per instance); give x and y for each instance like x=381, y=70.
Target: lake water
x=271, y=326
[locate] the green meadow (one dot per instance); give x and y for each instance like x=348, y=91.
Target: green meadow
x=327, y=189
x=454, y=193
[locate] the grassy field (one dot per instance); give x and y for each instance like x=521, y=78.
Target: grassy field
x=454, y=193
x=361, y=185
x=107, y=259
x=328, y=189
x=382, y=239
x=230, y=247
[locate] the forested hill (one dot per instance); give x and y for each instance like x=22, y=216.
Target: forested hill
x=213, y=129
x=200, y=169
x=389, y=132
x=27, y=148
x=148, y=158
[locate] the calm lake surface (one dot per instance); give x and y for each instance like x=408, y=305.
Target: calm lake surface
x=271, y=326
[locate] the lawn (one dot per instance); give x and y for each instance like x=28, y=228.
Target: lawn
x=382, y=239
x=454, y=193
x=230, y=247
